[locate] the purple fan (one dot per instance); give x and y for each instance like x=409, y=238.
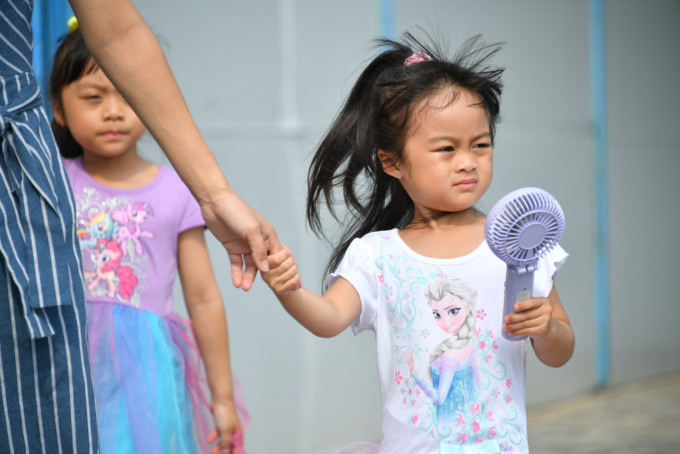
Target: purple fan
x=521, y=228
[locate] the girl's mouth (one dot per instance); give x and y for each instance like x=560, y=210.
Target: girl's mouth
x=113, y=135
x=466, y=184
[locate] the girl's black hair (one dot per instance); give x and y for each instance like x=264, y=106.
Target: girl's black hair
x=72, y=60
x=377, y=115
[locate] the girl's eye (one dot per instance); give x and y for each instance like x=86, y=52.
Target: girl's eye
x=449, y=148
x=436, y=315
x=454, y=312
x=483, y=145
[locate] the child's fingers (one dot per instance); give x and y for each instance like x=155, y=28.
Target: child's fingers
x=289, y=270
x=288, y=281
x=224, y=446
x=281, y=263
x=220, y=450
x=213, y=436
x=527, y=305
x=278, y=258
x=518, y=329
x=283, y=276
x=530, y=309
x=531, y=318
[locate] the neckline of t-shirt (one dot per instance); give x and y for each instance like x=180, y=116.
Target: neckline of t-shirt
x=394, y=233
x=145, y=187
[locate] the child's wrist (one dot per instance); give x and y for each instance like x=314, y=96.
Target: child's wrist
x=226, y=399
x=288, y=295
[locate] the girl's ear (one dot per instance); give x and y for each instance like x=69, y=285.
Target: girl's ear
x=58, y=113
x=389, y=165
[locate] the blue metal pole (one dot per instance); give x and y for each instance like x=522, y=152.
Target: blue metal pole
x=599, y=112
x=49, y=22
x=386, y=8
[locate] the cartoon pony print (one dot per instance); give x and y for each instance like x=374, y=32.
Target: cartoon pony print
x=130, y=219
x=107, y=261
x=100, y=225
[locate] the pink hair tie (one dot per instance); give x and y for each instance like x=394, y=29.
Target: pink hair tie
x=417, y=57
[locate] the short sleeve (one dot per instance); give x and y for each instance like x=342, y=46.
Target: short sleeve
x=358, y=268
x=546, y=273
x=190, y=211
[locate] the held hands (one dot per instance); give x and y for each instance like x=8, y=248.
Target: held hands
x=228, y=434
x=243, y=232
x=283, y=276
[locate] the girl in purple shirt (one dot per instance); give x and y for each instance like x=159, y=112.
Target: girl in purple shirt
x=138, y=225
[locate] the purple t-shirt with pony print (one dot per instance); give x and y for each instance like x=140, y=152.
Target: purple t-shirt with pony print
x=129, y=237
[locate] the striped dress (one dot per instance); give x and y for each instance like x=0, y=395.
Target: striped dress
x=46, y=399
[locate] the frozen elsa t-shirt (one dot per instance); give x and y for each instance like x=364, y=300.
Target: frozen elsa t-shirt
x=449, y=381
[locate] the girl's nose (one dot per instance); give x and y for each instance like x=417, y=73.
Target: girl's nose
x=113, y=109
x=465, y=161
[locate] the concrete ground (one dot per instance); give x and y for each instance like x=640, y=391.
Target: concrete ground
x=640, y=418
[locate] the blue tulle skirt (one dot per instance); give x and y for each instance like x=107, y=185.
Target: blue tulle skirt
x=150, y=390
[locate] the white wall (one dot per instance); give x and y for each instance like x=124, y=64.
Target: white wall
x=264, y=79
x=643, y=102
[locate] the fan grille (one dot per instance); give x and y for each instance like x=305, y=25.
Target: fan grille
x=524, y=225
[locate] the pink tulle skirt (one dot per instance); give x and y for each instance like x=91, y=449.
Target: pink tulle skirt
x=150, y=387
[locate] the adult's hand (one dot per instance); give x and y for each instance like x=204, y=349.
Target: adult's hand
x=247, y=237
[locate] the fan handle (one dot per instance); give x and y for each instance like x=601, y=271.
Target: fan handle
x=519, y=286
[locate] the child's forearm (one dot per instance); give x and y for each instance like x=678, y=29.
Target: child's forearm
x=325, y=316
x=205, y=306
x=210, y=330
x=556, y=347
x=322, y=317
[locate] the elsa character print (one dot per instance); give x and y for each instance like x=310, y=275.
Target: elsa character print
x=451, y=384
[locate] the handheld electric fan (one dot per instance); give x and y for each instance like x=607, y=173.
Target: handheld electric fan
x=521, y=228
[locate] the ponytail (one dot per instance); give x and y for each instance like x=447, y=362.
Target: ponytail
x=377, y=115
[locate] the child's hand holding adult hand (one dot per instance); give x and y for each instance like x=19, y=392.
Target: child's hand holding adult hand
x=283, y=276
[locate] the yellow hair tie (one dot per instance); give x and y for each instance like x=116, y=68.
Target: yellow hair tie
x=73, y=24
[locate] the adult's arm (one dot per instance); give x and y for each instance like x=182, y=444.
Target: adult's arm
x=130, y=55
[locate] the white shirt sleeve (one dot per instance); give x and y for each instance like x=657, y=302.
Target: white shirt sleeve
x=358, y=268
x=546, y=273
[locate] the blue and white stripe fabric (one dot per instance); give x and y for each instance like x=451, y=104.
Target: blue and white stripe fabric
x=37, y=233
x=46, y=400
